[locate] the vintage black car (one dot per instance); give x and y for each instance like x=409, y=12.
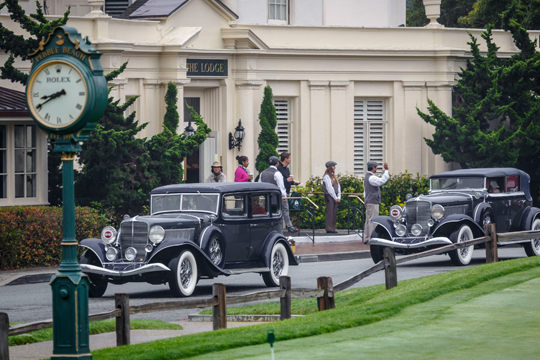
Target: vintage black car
x=193, y=231
x=459, y=203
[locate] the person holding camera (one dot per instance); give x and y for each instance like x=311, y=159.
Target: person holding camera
x=372, y=195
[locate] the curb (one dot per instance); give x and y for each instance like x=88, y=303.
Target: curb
x=352, y=255
x=29, y=279
x=239, y=318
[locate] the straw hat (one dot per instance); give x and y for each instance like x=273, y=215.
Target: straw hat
x=217, y=164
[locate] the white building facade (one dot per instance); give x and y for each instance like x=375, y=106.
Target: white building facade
x=347, y=79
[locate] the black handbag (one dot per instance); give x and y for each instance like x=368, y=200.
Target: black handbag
x=295, y=204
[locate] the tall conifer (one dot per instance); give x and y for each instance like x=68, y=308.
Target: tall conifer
x=268, y=139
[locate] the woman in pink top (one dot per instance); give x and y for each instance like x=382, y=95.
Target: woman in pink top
x=242, y=173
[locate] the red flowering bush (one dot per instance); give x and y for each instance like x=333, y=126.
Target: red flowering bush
x=31, y=235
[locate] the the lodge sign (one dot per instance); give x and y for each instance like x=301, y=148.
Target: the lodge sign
x=207, y=67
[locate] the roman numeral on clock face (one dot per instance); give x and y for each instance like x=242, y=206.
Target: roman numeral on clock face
x=58, y=120
x=47, y=117
x=47, y=71
x=79, y=106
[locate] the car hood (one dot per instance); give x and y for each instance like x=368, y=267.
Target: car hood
x=169, y=221
x=454, y=198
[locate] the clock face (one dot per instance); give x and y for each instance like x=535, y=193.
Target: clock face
x=57, y=94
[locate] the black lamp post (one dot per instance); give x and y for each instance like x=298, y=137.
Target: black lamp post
x=236, y=140
x=189, y=129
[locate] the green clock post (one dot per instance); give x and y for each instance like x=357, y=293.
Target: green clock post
x=66, y=94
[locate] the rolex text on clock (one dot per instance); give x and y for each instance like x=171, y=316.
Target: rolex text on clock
x=57, y=94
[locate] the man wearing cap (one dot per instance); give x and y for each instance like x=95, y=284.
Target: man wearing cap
x=372, y=195
x=217, y=174
x=273, y=176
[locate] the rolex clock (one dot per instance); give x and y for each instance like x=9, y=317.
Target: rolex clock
x=66, y=91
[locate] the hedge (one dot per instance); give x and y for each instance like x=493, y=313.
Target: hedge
x=392, y=193
x=31, y=235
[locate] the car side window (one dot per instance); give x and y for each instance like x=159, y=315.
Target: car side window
x=234, y=206
x=275, y=206
x=512, y=183
x=495, y=185
x=259, y=205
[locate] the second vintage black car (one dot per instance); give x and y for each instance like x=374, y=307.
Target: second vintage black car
x=193, y=231
x=458, y=206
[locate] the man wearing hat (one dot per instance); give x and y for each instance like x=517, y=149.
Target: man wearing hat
x=217, y=174
x=273, y=176
x=372, y=195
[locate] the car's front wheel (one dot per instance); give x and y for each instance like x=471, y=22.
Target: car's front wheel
x=532, y=248
x=98, y=284
x=377, y=253
x=463, y=256
x=279, y=265
x=184, y=274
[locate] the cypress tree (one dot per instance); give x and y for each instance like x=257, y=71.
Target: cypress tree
x=171, y=118
x=268, y=140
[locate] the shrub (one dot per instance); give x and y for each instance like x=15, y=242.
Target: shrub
x=392, y=193
x=31, y=235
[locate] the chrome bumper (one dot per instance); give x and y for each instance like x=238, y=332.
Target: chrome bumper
x=91, y=269
x=395, y=244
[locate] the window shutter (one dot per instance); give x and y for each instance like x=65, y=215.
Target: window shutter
x=283, y=125
x=369, y=133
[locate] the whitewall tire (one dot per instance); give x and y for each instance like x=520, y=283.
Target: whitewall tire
x=463, y=256
x=279, y=265
x=184, y=274
x=532, y=248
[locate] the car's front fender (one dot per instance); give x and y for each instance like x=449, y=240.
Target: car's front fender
x=450, y=223
x=206, y=234
x=479, y=211
x=384, y=224
x=96, y=246
x=271, y=239
x=528, y=217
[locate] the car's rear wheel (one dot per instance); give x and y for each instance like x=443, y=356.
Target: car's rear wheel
x=98, y=284
x=184, y=274
x=377, y=252
x=532, y=248
x=463, y=256
x=279, y=265
x=215, y=250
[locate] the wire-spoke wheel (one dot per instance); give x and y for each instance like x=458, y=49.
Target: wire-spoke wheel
x=184, y=274
x=532, y=248
x=463, y=256
x=214, y=249
x=279, y=265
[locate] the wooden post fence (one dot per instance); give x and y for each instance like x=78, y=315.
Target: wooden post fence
x=4, y=336
x=390, y=271
x=285, y=284
x=492, y=253
x=219, y=311
x=326, y=302
x=123, y=337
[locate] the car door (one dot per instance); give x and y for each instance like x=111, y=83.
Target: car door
x=516, y=200
x=498, y=199
x=235, y=226
x=260, y=224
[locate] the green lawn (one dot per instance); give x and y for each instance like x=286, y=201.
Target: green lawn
x=97, y=327
x=365, y=315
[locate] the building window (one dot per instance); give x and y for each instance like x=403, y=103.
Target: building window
x=25, y=161
x=277, y=10
x=3, y=165
x=283, y=127
x=369, y=133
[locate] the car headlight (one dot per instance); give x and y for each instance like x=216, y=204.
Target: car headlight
x=437, y=212
x=416, y=229
x=157, y=234
x=111, y=254
x=401, y=230
x=130, y=254
x=108, y=234
x=396, y=212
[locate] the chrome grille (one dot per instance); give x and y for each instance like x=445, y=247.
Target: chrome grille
x=418, y=212
x=134, y=234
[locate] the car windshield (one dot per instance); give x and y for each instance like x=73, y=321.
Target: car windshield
x=185, y=202
x=457, y=183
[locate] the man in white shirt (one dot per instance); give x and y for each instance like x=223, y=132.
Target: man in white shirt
x=273, y=176
x=372, y=195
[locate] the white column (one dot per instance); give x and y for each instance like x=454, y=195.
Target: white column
x=151, y=108
x=119, y=89
x=320, y=126
x=340, y=127
x=413, y=126
x=441, y=94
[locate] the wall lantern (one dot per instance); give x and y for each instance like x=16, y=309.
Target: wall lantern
x=236, y=140
x=189, y=129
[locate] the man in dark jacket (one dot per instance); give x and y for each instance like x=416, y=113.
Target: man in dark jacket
x=288, y=182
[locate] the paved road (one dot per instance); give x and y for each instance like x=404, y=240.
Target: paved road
x=32, y=302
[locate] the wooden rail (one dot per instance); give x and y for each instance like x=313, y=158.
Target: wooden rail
x=324, y=293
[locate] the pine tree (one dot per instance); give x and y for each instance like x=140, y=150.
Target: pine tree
x=416, y=17
x=171, y=115
x=496, y=119
x=268, y=139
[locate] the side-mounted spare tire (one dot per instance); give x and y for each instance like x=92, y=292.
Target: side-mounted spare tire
x=98, y=283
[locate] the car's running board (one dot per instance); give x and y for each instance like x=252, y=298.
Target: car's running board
x=252, y=270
